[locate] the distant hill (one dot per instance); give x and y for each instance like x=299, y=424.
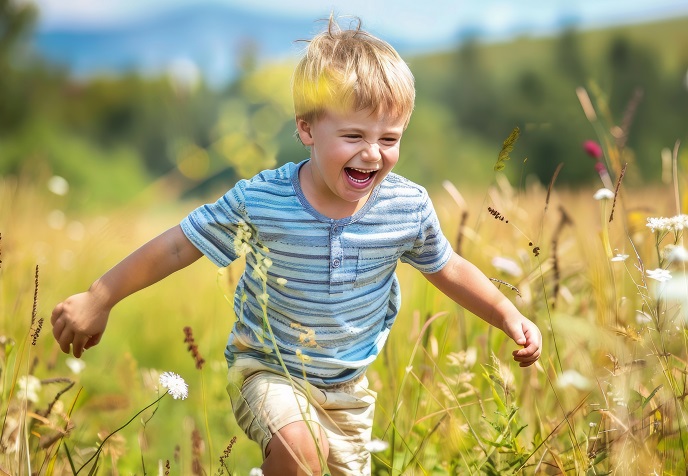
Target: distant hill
x=212, y=37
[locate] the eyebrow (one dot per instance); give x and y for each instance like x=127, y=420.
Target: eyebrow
x=362, y=130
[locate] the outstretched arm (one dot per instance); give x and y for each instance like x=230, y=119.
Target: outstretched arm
x=465, y=284
x=80, y=320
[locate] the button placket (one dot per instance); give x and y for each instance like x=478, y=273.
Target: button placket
x=338, y=270
x=336, y=251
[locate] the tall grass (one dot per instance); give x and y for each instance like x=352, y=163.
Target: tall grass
x=608, y=395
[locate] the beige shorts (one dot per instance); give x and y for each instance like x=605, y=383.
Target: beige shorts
x=264, y=401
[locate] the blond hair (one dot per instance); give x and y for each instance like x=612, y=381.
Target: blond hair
x=350, y=69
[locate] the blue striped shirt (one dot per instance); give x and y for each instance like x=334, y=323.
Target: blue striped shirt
x=327, y=287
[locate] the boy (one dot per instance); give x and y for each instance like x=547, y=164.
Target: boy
x=322, y=239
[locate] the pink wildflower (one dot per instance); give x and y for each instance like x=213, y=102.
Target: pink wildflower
x=593, y=149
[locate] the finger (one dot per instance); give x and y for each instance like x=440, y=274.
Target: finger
x=65, y=340
x=529, y=350
x=516, y=333
x=58, y=327
x=79, y=343
x=57, y=312
x=94, y=340
x=527, y=359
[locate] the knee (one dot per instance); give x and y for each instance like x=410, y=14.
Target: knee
x=297, y=449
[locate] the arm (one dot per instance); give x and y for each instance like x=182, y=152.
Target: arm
x=464, y=283
x=80, y=320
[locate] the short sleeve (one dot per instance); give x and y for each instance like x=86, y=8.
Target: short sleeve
x=213, y=228
x=431, y=249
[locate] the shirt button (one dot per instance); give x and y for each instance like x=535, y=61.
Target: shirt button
x=336, y=229
x=336, y=263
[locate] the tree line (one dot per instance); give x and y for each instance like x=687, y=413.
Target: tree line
x=109, y=136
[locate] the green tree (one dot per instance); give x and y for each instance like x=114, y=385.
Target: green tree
x=16, y=20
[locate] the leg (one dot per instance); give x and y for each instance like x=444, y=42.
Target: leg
x=292, y=450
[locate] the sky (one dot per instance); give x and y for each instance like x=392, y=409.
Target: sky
x=424, y=20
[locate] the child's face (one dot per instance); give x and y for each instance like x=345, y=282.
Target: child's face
x=351, y=153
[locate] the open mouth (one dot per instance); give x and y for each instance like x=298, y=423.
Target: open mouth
x=359, y=175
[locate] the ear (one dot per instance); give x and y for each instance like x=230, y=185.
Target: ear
x=303, y=128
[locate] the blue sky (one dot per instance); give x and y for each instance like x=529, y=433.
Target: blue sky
x=424, y=20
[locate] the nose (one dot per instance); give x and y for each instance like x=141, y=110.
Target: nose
x=371, y=152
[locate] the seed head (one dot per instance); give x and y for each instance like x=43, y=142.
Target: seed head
x=175, y=385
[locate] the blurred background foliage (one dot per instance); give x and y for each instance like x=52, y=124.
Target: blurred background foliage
x=111, y=137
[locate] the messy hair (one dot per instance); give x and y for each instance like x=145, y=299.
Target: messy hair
x=350, y=69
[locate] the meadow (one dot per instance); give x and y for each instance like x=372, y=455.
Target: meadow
x=600, y=269
x=607, y=397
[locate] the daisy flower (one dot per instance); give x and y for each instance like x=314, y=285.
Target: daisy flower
x=659, y=274
x=175, y=385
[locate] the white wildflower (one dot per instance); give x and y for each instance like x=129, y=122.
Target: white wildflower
x=619, y=257
x=676, y=254
x=675, y=224
x=255, y=472
x=657, y=224
x=242, y=240
x=572, y=378
x=175, y=385
x=676, y=293
x=659, y=274
x=376, y=446
x=75, y=365
x=678, y=223
x=507, y=266
x=603, y=194
x=263, y=299
x=29, y=386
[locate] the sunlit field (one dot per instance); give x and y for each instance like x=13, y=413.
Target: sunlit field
x=608, y=395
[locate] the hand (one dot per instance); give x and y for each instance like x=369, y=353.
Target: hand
x=79, y=322
x=526, y=334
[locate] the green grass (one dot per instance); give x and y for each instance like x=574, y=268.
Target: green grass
x=450, y=399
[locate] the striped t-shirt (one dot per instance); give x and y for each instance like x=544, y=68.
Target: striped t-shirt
x=327, y=287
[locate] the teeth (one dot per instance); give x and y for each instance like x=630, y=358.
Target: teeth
x=363, y=172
